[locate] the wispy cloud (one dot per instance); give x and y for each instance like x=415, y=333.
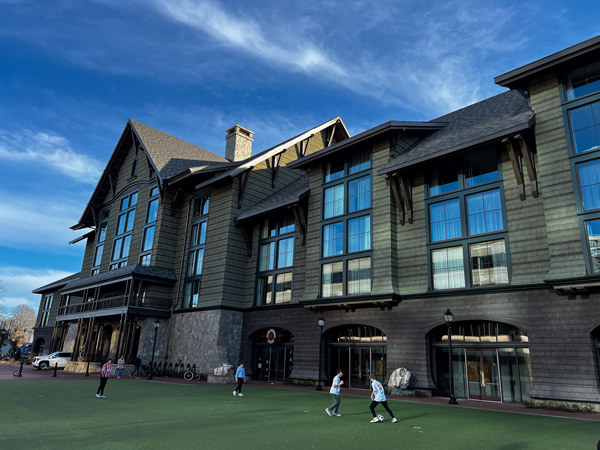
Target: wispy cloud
x=20, y=281
x=37, y=222
x=50, y=151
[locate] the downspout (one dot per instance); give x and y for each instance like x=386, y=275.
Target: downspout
x=187, y=224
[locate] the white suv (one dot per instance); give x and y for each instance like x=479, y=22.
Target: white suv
x=49, y=361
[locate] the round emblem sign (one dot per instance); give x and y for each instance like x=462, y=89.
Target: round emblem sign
x=271, y=336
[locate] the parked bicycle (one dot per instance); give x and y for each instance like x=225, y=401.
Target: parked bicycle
x=191, y=373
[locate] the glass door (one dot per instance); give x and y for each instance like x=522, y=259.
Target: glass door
x=482, y=374
x=360, y=366
x=277, y=363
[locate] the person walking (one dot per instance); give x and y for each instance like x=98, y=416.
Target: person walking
x=137, y=363
x=104, y=374
x=335, y=393
x=120, y=366
x=377, y=397
x=240, y=376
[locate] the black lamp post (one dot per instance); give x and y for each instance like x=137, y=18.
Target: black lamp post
x=156, y=326
x=321, y=323
x=449, y=317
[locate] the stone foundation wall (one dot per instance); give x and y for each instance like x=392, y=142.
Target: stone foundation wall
x=206, y=338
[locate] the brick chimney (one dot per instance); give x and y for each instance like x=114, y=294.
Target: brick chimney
x=239, y=143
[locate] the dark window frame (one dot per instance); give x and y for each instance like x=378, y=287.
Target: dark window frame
x=204, y=198
x=345, y=217
x=275, y=271
x=143, y=254
x=122, y=261
x=104, y=216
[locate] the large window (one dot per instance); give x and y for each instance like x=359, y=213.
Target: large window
x=274, y=281
x=125, y=222
x=195, y=260
x=467, y=209
x=581, y=110
x=46, y=310
x=346, y=266
x=100, y=238
x=149, y=227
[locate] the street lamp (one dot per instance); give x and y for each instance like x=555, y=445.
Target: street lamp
x=156, y=326
x=321, y=323
x=449, y=317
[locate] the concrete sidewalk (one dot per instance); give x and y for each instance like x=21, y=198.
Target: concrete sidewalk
x=30, y=373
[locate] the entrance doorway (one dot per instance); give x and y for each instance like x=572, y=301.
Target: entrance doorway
x=273, y=354
x=483, y=376
x=359, y=351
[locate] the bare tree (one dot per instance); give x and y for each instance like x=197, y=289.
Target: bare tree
x=3, y=291
x=22, y=320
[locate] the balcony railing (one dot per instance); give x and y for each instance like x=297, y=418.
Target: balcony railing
x=115, y=302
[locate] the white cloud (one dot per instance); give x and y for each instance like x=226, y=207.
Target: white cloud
x=50, y=151
x=20, y=281
x=37, y=222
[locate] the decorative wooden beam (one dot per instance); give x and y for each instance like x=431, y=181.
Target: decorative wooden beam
x=393, y=182
x=94, y=215
x=330, y=140
x=517, y=166
x=406, y=197
x=393, y=142
x=304, y=145
x=136, y=143
x=247, y=239
x=176, y=196
x=243, y=183
x=527, y=155
x=300, y=216
x=113, y=183
x=275, y=164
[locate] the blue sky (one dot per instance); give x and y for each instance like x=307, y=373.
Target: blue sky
x=73, y=72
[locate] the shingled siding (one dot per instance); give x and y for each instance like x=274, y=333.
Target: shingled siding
x=313, y=235
x=526, y=226
x=384, y=259
x=412, y=243
x=166, y=235
x=554, y=172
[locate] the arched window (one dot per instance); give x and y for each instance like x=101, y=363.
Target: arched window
x=134, y=166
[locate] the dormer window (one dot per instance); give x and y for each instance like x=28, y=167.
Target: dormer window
x=134, y=166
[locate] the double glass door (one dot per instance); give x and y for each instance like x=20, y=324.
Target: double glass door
x=483, y=376
x=358, y=363
x=273, y=363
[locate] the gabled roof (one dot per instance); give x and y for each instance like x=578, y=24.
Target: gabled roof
x=260, y=157
x=171, y=155
x=286, y=196
x=485, y=121
x=167, y=155
x=55, y=285
x=392, y=125
x=518, y=77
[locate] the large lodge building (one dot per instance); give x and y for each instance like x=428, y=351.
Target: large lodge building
x=492, y=211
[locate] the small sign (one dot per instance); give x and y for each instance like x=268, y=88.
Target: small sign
x=19, y=343
x=271, y=336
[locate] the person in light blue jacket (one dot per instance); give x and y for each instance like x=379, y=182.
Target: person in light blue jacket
x=240, y=376
x=377, y=397
x=335, y=393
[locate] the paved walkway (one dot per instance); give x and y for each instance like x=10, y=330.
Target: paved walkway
x=30, y=373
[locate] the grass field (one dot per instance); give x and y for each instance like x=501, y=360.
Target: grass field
x=144, y=415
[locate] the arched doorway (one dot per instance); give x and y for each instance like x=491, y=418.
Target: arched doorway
x=38, y=347
x=104, y=343
x=596, y=343
x=273, y=354
x=490, y=361
x=359, y=350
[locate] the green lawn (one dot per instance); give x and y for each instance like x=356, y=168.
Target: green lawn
x=143, y=415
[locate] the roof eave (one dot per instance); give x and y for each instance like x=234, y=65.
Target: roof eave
x=517, y=77
x=300, y=197
x=459, y=147
x=368, y=134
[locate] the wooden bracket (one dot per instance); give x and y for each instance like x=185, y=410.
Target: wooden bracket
x=403, y=196
x=527, y=155
x=243, y=183
x=113, y=183
x=393, y=142
x=300, y=216
x=136, y=144
x=304, y=146
x=406, y=191
x=330, y=140
x=247, y=239
x=95, y=216
x=178, y=193
x=275, y=164
x=517, y=165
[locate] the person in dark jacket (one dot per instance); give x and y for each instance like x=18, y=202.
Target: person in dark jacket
x=137, y=363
